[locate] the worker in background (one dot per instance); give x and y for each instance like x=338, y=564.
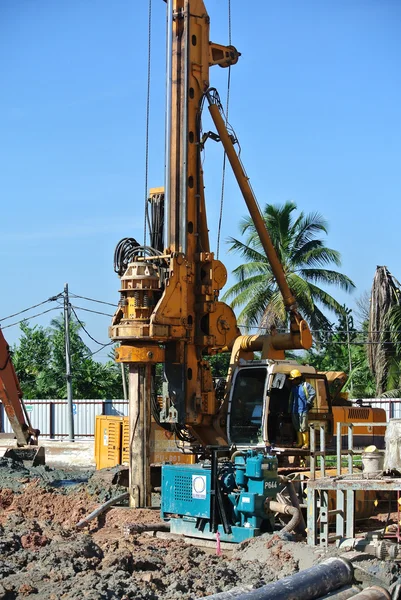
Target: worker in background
x=301, y=400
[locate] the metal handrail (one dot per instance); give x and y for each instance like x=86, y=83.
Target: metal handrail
x=350, y=450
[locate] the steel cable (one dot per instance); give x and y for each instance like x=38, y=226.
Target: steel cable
x=147, y=118
x=225, y=155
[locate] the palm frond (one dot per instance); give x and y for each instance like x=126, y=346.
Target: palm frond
x=326, y=300
x=303, y=257
x=242, y=291
x=253, y=311
x=321, y=256
x=312, y=224
x=328, y=277
x=250, y=269
x=245, y=250
x=396, y=393
x=298, y=255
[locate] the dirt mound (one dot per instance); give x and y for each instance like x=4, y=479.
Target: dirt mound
x=279, y=551
x=46, y=506
x=79, y=568
x=119, y=517
x=42, y=555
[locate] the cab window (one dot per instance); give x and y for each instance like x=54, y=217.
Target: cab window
x=247, y=406
x=321, y=404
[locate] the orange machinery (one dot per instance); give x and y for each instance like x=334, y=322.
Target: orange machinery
x=11, y=396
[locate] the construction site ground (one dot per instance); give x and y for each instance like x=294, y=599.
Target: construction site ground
x=43, y=555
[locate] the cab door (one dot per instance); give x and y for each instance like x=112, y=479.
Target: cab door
x=246, y=406
x=321, y=413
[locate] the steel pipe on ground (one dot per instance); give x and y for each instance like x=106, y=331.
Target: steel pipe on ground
x=344, y=593
x=309, y=584
x=234, y=593
x=373, y=593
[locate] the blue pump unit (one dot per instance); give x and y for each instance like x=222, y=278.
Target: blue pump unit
x=227, y=496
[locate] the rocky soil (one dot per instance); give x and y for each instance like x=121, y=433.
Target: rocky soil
x=43, y=555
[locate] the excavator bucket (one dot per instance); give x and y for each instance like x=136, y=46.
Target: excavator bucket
x=30, y=456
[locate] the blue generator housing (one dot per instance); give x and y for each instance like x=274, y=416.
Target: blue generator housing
x=226, y=497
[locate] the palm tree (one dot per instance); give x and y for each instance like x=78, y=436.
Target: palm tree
x=392, y=325
x=384, y=350
x=304, y=259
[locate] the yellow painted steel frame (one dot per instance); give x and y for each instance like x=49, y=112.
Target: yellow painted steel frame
x=188, y=319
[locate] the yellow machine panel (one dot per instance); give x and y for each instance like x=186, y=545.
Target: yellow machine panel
x=363, y=435
x=112, y=444
x=108, y=432
x=125, y=442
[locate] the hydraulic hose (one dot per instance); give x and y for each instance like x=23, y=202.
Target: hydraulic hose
x=285, y=509
x=237, y=453
x=301, y=527
x=101, y=509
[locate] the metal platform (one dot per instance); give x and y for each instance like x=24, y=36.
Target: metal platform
x=345, y=486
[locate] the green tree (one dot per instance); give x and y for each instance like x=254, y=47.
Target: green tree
x=344, y=349
x=219, y=364
x=39, y=361
x=31, y=359
x=305, y=259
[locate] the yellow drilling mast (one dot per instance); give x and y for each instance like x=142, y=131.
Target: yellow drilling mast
x=169, y=310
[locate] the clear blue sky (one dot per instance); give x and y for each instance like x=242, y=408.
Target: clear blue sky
x=315, y=101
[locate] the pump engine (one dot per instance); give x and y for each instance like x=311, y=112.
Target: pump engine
x=229, y=497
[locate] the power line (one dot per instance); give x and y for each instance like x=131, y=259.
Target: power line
x=31, y=317
x=96, y=312
x=327, y=331
x=86, y=331
x=365, y=343
x=92, y=300
x=99, y=350
x=51, y=299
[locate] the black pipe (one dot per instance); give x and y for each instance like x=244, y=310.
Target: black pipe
x=141, y=527
x=98, y=511
x=233, y=593
x=309, y=584
x=373, y=593
x=343, y=593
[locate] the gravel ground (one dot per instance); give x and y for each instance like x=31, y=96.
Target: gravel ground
x=43, y=555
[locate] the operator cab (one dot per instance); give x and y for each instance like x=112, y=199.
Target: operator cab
x=262, y=392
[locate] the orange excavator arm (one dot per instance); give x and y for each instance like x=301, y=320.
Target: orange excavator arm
x=11, y=397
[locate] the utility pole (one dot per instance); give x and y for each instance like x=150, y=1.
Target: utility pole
x=68, y=375
x=349, y=356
